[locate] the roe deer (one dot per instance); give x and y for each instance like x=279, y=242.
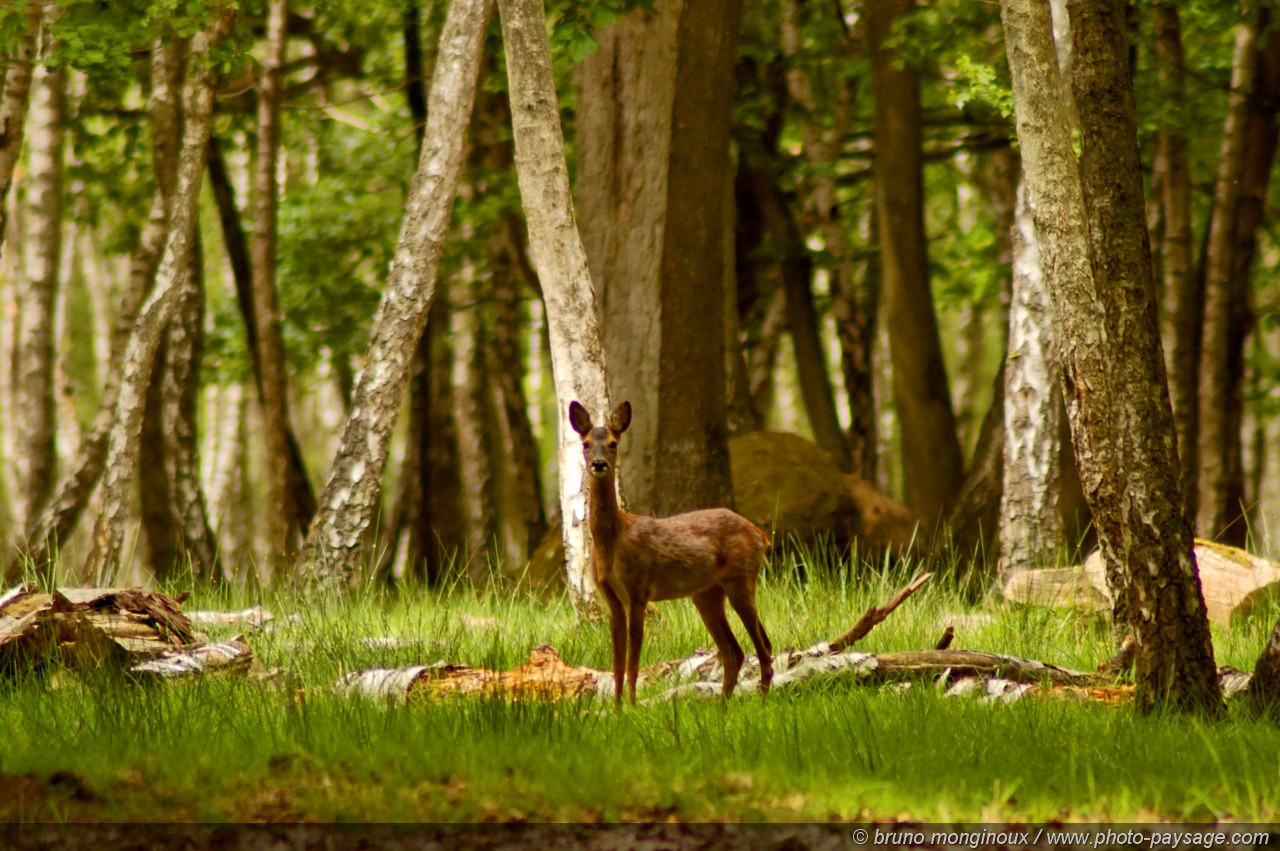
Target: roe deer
x=707, y=555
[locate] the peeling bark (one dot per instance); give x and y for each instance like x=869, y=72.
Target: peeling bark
x=577, y=353
x=1102, y=299
x=144, y=342
x=13, y=109
x=1030, y=521
x=351, y=495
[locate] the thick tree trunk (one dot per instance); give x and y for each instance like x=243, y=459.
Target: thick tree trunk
x=1030, y=522
x=653, y=146
x=1183, y=288
x=577, y=354
x=13, y=108
x=1104, y=315
x=34, y=408
x=286, y=520
x=144, y=342
x=933, y=465
x=351, y=494
x=1221, y=375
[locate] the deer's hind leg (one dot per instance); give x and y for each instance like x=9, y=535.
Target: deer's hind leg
x=743, y=601
x=710, y=604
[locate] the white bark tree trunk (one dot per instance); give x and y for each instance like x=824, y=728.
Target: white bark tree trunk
x=555, y=247
x=1030, y=523
x=139, y=358
x=34, y=408
x=349, y=502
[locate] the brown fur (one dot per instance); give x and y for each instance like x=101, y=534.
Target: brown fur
x=709, y=555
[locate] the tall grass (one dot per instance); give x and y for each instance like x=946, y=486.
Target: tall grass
x=232, y=749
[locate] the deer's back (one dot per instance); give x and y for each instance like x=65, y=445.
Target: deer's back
x=686, y=553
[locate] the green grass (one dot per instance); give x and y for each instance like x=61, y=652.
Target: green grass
x=230, y=749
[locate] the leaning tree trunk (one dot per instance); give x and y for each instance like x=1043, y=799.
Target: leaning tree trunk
x=933, y=464
x=144, y=342
x=577, y=354
x=350, y=498
x=286, y=519
x=34, y=410
x=301, y=495
x=1104, y=318
x=1030, y=522
x=13, y=108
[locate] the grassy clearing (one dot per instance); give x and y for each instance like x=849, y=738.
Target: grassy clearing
x=226, y=749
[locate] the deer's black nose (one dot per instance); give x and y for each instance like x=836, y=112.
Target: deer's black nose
x=599, y=467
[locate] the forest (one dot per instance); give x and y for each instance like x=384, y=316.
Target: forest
x=296, y=295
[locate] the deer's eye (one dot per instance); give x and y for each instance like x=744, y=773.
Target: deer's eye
x=613, y=444
x=586, y=446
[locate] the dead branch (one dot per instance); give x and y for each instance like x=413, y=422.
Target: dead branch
x=948, y=636
x=875, y=614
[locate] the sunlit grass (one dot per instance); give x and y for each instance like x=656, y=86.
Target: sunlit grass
x=231, y=749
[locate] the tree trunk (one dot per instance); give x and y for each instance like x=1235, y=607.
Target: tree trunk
x=1030, y=522
x=1220, y=480
x=652, y=144
x=59, y=519
x=1264, y=688
x=302, y=497
x=13, y=108
x=351, y=494
x=158, y=515
x=796, y=273
x=184, y=347
x=144, y=342
x=1103, y=313
x=34, y=408
x=1183, y=289
x=933, y=465
x=853, y=305
x=556, y=250
x=286, y=520
x=427, y=531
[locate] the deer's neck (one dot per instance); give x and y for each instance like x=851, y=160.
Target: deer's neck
x=606, y=517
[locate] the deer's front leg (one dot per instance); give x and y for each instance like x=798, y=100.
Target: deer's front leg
x=618, y=634
x=636, y=634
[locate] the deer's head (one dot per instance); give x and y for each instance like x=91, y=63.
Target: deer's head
x=600, y=443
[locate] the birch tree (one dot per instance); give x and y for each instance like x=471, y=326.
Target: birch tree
x=1030, y=522
x=34, y=409
x=555, y=247
x=13, y=108
x=349, y=501
x=144, y=342
x=1103, y=304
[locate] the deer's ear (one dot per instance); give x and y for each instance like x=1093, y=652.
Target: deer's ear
x=621, y=418
x=579, y=419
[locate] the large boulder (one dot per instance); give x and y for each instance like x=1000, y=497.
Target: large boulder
x=1235, y=583
x=792, y=489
